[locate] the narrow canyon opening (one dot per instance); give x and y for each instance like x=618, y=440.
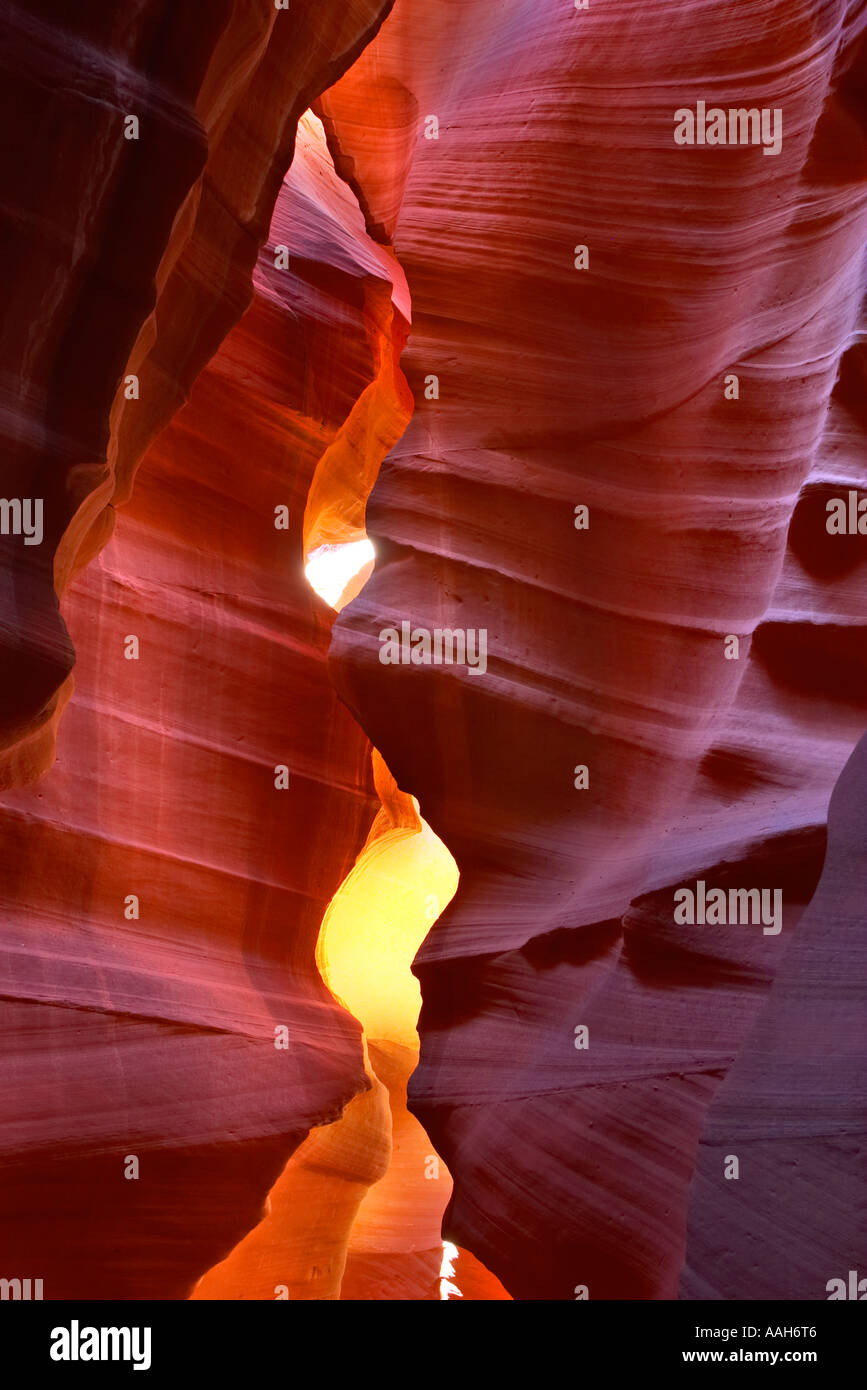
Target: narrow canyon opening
x=400, y=883
x=357, y=1211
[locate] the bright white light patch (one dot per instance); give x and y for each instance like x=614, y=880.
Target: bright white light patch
x=331, y=567
x=448, y=1290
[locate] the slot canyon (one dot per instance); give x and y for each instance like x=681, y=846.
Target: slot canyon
x=434, y=536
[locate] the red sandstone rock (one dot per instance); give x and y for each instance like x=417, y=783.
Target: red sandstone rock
x=557, y=387
x=605, y=387
x=154, y=1035
x=790, y=1221
x=142, y=271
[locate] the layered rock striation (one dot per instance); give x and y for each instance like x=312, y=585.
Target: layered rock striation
x=168, y=1041
x=663, y=335
x=603, y=446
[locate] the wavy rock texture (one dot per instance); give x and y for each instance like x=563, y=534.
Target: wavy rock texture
x=154, y=1035
x=794, y=1102
x=144, y=272
x=605, y=387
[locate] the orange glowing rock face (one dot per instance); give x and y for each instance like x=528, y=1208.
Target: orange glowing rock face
x=185, y=208
x=218, y=970
x=347, y=470
x=220, y=946
x=368, y=1184
x=366, y=1192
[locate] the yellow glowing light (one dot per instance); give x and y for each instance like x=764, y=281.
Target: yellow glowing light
x=331, y=568
x=376, y=922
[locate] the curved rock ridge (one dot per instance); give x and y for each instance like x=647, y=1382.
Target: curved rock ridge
x=619, y=380
x=163, y=131
x=164, y=887
x=604, y=380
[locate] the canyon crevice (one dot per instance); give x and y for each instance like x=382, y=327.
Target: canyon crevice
x=440, y=277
